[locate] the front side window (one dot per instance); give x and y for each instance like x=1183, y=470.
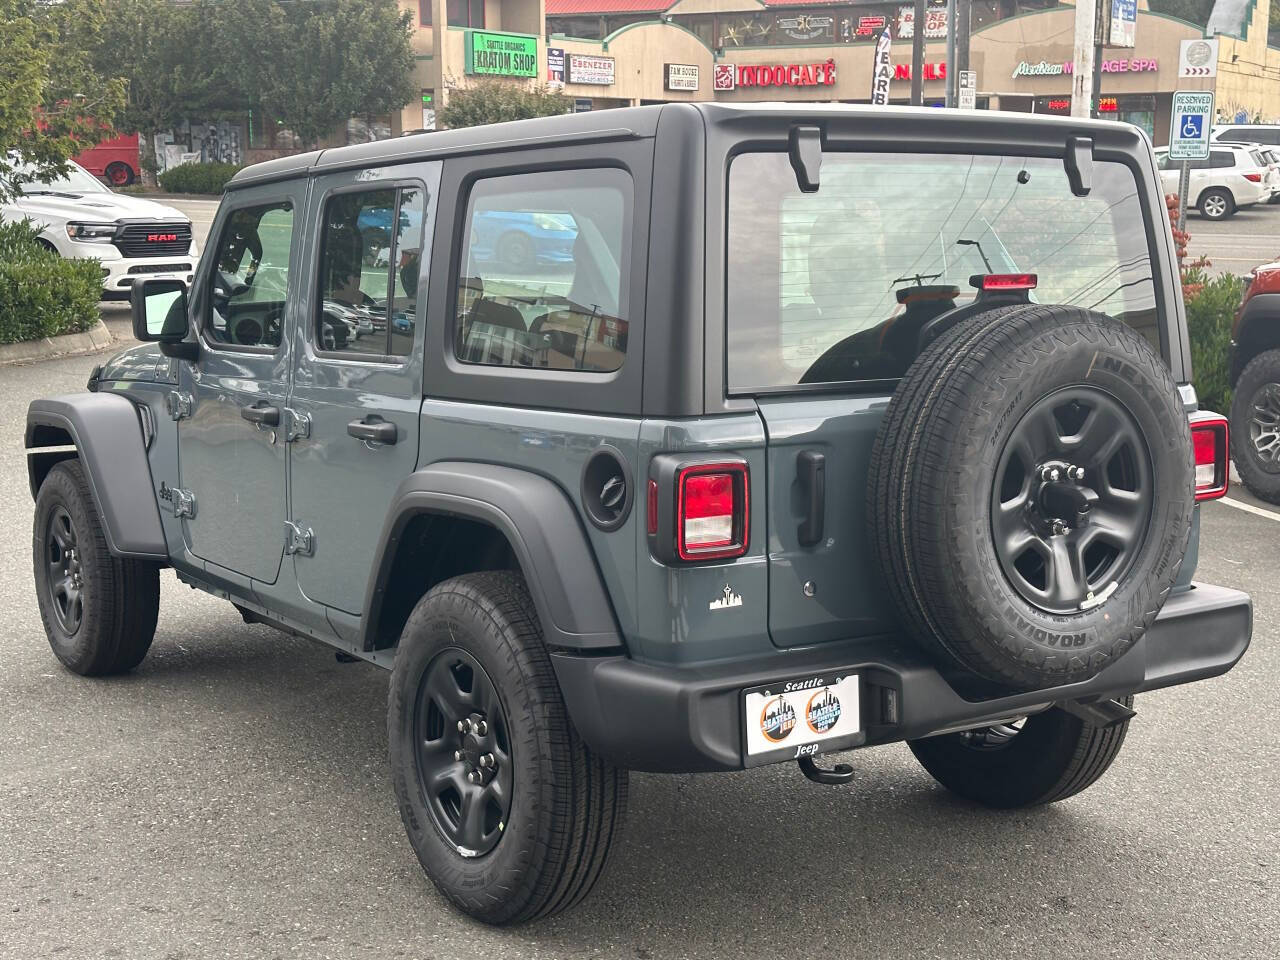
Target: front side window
x=370, y=261
x=250, y=283
x=837, y=285
x=544, y=268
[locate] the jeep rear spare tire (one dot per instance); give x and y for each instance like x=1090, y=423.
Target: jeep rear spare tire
x=1031, y=494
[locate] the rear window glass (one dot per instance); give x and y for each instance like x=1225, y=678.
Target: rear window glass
x=837, y=285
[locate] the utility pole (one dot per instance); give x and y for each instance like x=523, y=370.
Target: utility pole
x=1084, y=58
x=917, y=55
x=949, y=97
x=960, y=28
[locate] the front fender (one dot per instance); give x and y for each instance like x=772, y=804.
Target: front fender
x=108, y=439
x=543, y=529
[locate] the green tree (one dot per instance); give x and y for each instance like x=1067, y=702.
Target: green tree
x=495, y=101
x=53, y=100
x=1193, y=11
x=311, y=66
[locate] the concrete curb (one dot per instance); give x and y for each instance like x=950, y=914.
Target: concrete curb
x=96, y=338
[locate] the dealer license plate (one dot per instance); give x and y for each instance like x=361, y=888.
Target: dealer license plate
x=802, y=716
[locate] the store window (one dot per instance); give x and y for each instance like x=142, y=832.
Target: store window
x=461, y=13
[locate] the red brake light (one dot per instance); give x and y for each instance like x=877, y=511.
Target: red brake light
x=711, y=511
x=1009, y=281
x=1253, y=177
x=1209, y=441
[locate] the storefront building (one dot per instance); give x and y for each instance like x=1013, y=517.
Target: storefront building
x=607, y=53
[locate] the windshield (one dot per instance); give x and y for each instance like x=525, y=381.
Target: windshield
x=837, y=285
x=76, y=181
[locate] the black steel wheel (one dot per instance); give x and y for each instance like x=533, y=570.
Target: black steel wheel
x=1071, y=499
x=99, y=611
x=509, y=812
x=463, y=750
x=64, y=583
x=1255, y=426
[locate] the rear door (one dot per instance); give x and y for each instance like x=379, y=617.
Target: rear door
x=828, y=293
x=357, y=393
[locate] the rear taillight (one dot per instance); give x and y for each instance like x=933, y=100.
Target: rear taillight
x=1253, y=177
x=711, y=511
x=1006, y=281
x=1209, y=441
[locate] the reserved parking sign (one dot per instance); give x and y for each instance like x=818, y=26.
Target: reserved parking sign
x=1189, y=125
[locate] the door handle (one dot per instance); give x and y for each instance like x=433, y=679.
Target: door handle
x=373, y=431
x=262, y=415
x=811, y=467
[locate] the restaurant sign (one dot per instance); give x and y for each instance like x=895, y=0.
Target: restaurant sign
x=581, y=68
x=731, y=76
x=501, y=54
x=680, y=76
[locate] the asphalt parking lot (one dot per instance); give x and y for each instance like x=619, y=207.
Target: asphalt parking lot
x=231, y=799
x=1239, y=243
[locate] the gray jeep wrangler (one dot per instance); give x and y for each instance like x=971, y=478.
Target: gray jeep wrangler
x=679, y=438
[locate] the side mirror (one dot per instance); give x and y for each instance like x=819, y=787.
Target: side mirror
x=159, y=310
x=160, y=315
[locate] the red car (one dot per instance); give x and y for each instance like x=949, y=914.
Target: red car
x=1255, y=376
x=115, y=160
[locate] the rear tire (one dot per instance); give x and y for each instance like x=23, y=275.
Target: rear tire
x=472, y=653
x=1054, y=755
x=1216, y=204
x=1255, y=426
x=99, y=611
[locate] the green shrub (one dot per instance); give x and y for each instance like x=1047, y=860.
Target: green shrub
x=1210, y=313
x=208, y=178
x=42, y=295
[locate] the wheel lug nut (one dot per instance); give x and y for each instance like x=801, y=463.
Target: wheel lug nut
x=464, y=726
x=473, y=777
x=481, y=728
x=486, y=760
x=458, y=754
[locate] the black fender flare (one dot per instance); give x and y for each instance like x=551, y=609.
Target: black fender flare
x=1257, y=329
x=107, y=434
x=544, y=531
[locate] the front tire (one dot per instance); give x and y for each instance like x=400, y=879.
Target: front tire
x=1216, y=204
x=1255, y=426
x=509, y=813
x=1049, y=757
x=99, y=611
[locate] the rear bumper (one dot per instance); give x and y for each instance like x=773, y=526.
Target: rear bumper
x=688, y=719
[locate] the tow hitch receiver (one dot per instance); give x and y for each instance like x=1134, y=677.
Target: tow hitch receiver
x=840, y=773
x=1098, y=713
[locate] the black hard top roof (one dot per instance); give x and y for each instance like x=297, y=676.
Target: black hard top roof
x=639, y=122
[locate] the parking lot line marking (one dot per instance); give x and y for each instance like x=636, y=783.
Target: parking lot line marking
x=1250, y=508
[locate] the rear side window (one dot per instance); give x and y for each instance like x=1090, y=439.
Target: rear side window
x=837, y=285
x=543, y=283
x=371, y=253
x=1222, y=158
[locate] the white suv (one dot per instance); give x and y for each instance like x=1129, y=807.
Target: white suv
x=131, y=237
x=1233, y=176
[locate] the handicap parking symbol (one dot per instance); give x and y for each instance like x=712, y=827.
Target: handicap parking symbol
x=1192, y=126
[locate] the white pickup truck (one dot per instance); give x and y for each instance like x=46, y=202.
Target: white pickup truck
x=133, y=238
